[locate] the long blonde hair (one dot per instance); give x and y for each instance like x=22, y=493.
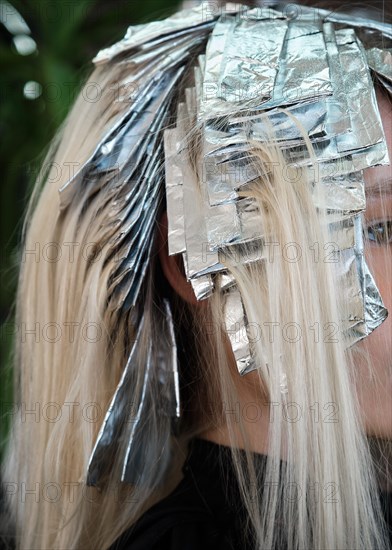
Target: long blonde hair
x=66, y=372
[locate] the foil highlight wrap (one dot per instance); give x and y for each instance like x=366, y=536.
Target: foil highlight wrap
x=299, y=77
x=237, y=332
x=128, y=422
x=317, y=75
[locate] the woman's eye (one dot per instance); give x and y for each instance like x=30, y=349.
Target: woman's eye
x=380, y=232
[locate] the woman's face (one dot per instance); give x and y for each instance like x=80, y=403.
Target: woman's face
x=375, y=392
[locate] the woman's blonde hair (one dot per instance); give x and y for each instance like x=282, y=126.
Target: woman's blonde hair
x=322, y=495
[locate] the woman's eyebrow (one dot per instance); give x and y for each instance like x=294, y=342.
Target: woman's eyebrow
x=376, y=189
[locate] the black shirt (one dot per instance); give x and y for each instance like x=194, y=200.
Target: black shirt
x=200, y=514
x=204, y=511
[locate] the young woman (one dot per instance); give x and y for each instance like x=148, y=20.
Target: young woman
x=134, y=356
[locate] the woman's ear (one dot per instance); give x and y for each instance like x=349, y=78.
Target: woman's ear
x=173, y=267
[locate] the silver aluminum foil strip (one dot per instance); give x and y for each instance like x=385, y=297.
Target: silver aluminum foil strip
x=156, y=31
x=352, y=326
x=161, y=364
x=366, y=124
x=367, y=310
x=120, y=422
x=375, y=312
x=149, y=54
x=224, y=178
x=121, y=110
x=343, y=162
x=306, y=24
x=303, y=70
x=223, y=225
x=130, y=144
x=127, y=279
x=226, y=281
x=174, y=193
x=128, y=472
x=342, y=193
x=372, y=156
x=136, y=225
x=354, y=73
x=199, y=259
x=338, y=115
x=132, y=261
x=174, y=174
x=141, y=66
x=168, y=375
x=356, y=161
x=128, y=205
x=202, y=286
x=247, y=252
x=235, y=328
x=217, y=140
x=299, y=11
x=380, y=61
x=240, y=223
x=241, y=64
x=312, y=116
x=232, y=222
x=114, y=420
x=362, y=104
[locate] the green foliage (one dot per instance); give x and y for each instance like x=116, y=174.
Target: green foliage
x=67, y=34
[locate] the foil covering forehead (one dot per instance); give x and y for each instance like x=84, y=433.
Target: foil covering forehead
x=261, y=69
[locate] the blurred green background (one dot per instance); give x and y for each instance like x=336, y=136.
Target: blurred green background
x=46, y=47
